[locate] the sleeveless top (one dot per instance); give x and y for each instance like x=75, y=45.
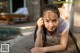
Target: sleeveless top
x=55, y=39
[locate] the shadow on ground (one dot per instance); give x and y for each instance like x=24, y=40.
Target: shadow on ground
x=24, y=45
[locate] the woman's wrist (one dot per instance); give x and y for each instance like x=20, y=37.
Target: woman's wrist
x=39, y=29
x=44, y=49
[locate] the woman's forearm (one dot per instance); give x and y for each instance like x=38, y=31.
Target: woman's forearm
x=54, y=48
x=39, y=42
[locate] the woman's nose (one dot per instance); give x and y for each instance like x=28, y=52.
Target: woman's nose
x=51, y=24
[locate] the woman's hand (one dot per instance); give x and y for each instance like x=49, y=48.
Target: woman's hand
x=40, y=23
x=37, y=50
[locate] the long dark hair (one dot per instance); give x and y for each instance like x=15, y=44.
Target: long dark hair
x=45, y=8
x=43, y=35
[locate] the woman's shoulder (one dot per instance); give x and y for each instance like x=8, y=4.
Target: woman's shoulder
x=63, y=25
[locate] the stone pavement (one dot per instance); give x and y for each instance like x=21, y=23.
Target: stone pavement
x=77, y=35
x=77, y=27
x=26, y=29
x=23, y=46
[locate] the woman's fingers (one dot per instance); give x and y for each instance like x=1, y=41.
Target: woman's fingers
x=40, y=22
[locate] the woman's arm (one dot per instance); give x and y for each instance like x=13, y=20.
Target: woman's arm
x=61, y=46
x=39, y=42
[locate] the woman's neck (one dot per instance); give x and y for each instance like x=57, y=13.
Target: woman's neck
x=52, y=32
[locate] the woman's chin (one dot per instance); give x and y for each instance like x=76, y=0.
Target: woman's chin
x=51, y=30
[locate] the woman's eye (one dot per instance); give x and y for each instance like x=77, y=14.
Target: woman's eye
x=54, y=20
x=47, y=20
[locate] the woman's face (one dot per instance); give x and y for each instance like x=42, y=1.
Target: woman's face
x=51, y=20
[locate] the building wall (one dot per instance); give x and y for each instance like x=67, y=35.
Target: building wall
x=34, y=8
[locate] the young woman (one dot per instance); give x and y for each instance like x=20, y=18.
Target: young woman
x=56, y=32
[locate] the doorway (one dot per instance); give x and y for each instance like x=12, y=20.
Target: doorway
x=17, y=4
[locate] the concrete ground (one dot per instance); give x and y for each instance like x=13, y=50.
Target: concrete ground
x=24, y=45
x=27, y=30
x=77, y=27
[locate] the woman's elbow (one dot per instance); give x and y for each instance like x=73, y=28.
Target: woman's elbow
x=64, y=47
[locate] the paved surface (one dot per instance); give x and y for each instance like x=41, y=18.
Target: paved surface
x=77, y=27
x=77, y=35
x=26, y=29
x=23, y=46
